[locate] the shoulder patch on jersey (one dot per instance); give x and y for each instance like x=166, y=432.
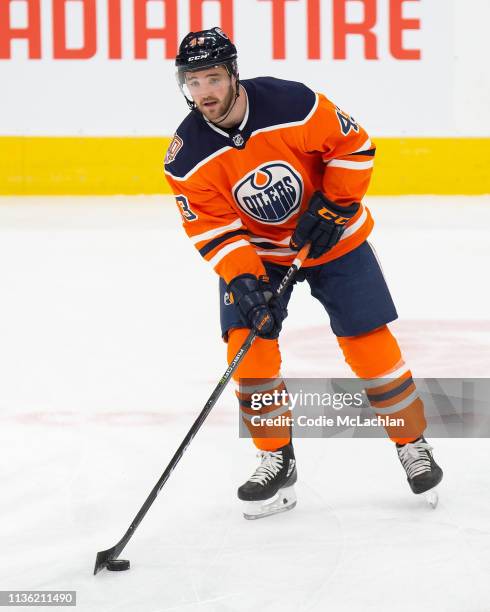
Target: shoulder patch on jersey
x=173, y=148
x=270, y=193
x=199, y=144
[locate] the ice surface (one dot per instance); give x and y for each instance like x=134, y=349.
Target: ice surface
x=109, y=347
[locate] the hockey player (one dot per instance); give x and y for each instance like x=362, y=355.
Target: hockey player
x=259, y=168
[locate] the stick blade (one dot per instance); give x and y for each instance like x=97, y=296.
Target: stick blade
x=103, y=557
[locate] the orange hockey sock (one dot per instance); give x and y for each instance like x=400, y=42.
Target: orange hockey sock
x=257, y=375
x=376, y=357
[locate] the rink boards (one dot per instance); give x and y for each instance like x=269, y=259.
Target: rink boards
x=134, y=165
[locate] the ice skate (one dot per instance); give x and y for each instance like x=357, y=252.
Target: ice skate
x=423, y=473
x=270, y=489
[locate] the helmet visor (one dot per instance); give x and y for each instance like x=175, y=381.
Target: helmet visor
x=207, y=82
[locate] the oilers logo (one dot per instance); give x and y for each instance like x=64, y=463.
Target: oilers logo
x=271, y=193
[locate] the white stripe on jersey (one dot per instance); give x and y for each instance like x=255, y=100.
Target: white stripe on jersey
x=365, y=147
x=350, y=165
x=214, y=261
x=355, y=226
x=217, y=231
x=259, y=239
x=278, y=252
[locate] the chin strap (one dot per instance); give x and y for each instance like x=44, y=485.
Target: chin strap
x=232, y=106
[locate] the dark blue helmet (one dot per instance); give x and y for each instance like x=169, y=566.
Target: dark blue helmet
x=205, y=49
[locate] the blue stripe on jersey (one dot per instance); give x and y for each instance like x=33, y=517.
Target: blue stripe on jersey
x=212, y=244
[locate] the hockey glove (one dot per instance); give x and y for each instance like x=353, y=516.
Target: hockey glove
x=258, y=307
x=322, y=224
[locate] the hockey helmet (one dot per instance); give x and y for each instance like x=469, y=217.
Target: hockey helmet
x=205, y=49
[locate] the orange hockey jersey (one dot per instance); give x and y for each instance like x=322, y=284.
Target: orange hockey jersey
x=240, y=192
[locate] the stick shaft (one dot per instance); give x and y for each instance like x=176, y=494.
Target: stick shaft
x=213, y=398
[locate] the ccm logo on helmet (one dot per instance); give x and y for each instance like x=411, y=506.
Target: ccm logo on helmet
x=271, y=193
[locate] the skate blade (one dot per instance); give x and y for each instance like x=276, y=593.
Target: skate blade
x=284, y=500
x=432, y=498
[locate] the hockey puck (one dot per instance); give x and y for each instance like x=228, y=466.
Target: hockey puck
x=118, y=565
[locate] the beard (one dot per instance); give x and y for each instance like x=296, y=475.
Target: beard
x=219, y=109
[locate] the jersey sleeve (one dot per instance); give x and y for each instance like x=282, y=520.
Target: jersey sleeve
x=346, y=149
x=216, y=231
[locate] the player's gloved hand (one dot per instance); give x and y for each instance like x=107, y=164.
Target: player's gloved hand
x=322, y=224
x=258, y=307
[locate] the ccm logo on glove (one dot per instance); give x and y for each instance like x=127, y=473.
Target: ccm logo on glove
x=331, y=216
x=322, y=224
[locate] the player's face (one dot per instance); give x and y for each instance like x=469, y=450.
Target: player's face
x=212, y=90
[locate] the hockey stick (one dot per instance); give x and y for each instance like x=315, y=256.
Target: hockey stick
x=106, y=556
